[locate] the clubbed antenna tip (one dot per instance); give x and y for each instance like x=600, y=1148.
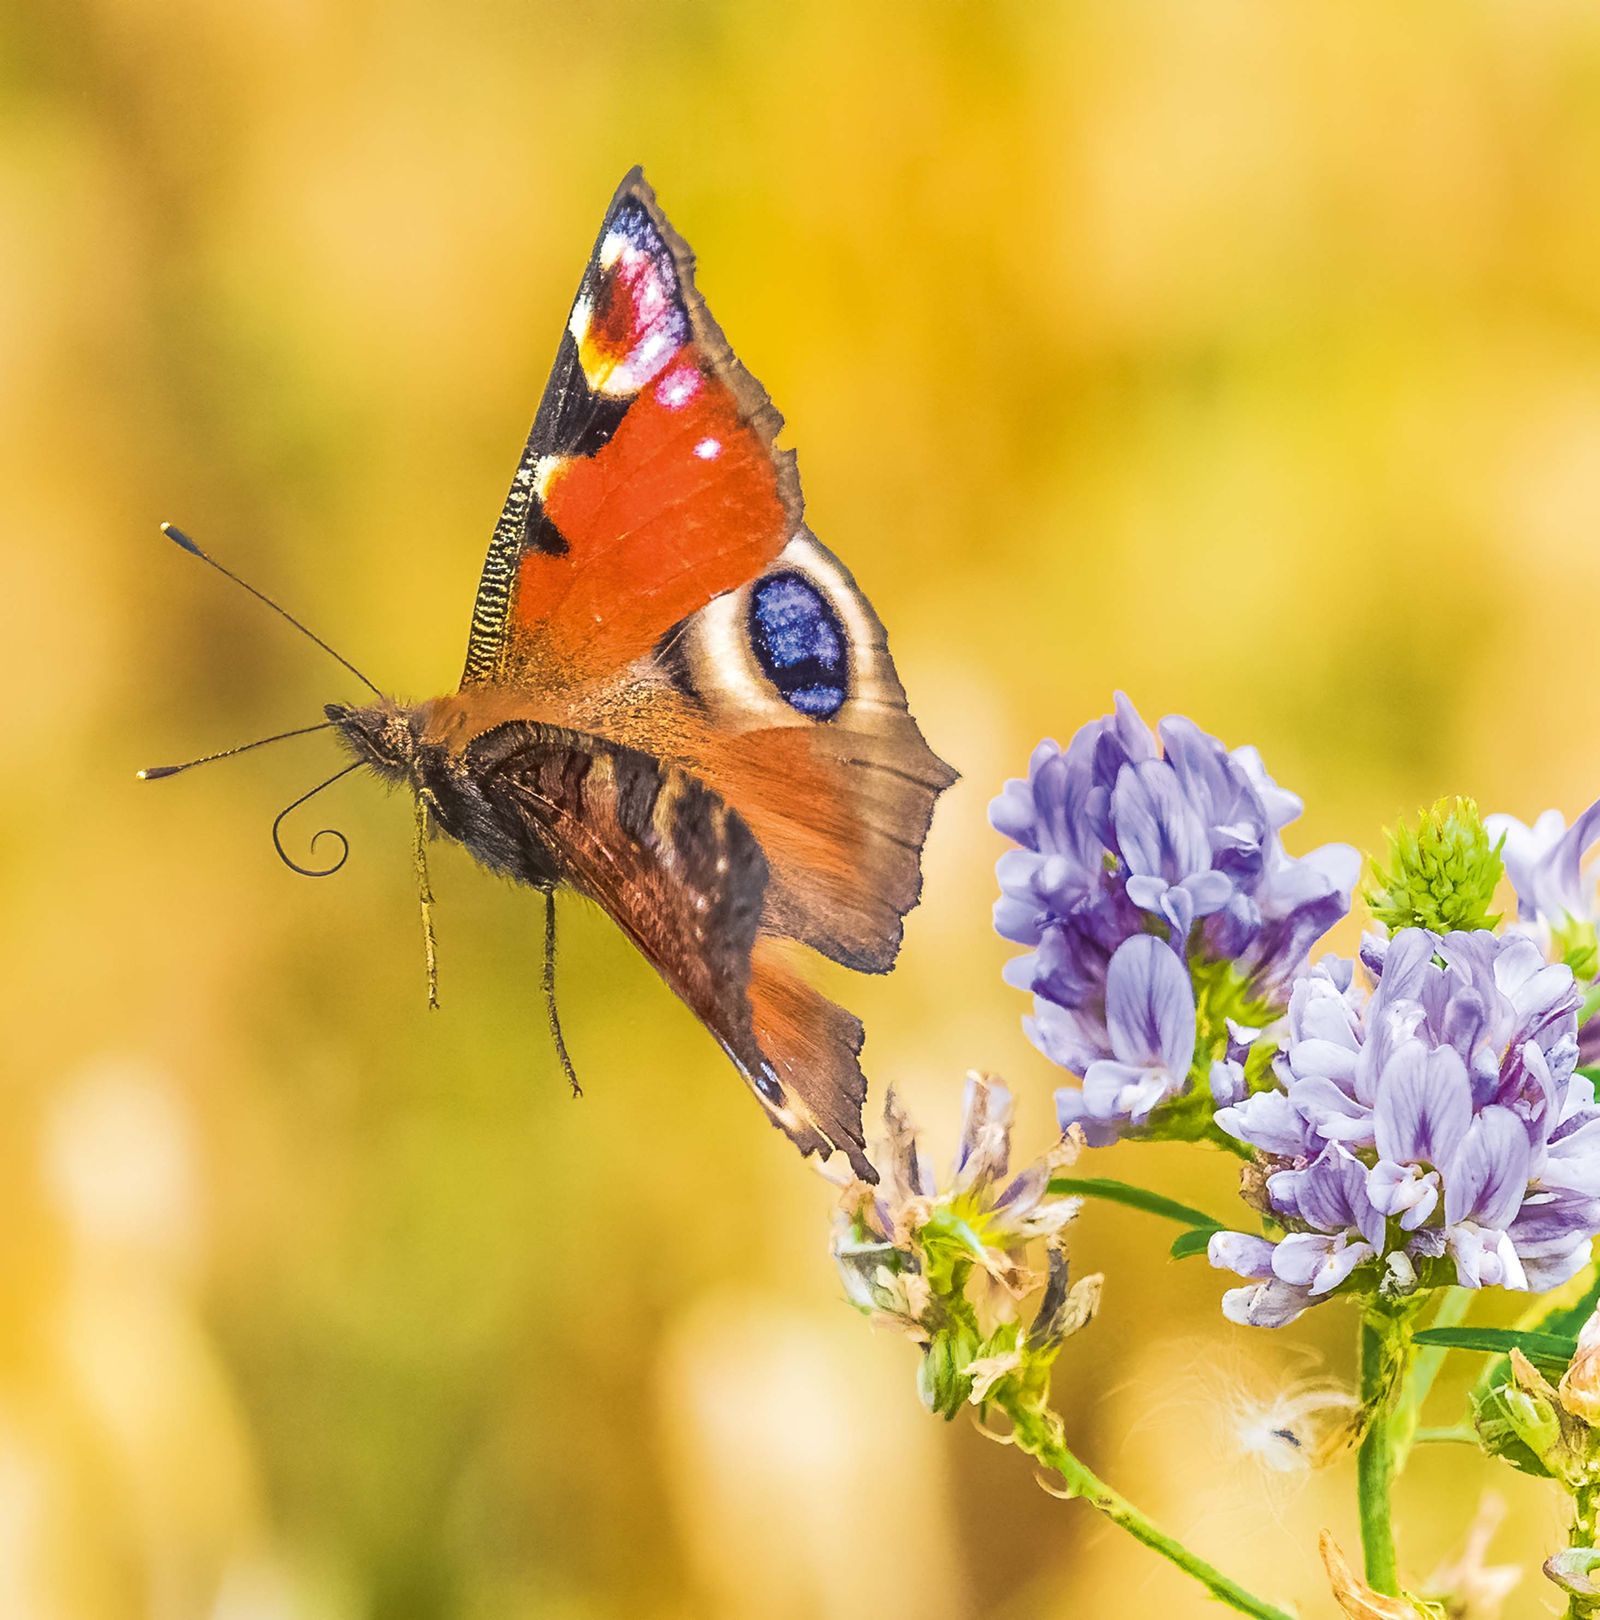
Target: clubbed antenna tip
x=178, y=537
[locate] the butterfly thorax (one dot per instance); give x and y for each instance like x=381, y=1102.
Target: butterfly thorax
x=459, y=773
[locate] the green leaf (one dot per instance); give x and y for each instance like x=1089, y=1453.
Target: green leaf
x=1121, y=1192
x=1554, y=1349
x=1186, y=1244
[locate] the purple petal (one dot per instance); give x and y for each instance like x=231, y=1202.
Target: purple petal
x=1558, y=886
x=1266, y=1304
x=1403, y=1190
x=1239, y=1252
x=1157, y=829
x=1331, y=1114
x=1125, y=1091
x=1488, y=1176
x=1318, y=1264
x=1070, y=1110
x=1573, y=1161
x=1424, y=1105
x=1269, y=1121
x=1150, y=1006
x=1484, y=1257
x=1227, y=1083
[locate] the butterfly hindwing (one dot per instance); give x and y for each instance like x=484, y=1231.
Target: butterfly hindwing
x=686, y=880
x=810, y=737
x=650, y=482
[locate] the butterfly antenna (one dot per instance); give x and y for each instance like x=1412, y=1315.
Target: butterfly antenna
x=179, y=538
x=550, y=992
x=430, y=948
x=326, y=832
x=154, y=773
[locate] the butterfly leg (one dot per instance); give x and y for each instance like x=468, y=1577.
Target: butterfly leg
x=550, y=991
x=430, y=947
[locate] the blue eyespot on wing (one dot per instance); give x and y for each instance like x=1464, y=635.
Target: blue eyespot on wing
x=800, y=644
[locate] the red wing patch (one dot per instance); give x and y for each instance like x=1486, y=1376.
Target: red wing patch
x=650, y=482
x=681, y=504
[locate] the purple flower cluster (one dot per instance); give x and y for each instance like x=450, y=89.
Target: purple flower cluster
x=1138, y=868
x=1434, y=1131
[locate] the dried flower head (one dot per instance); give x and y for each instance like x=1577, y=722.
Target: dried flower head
x=1580, y=1384
x=947, y=1264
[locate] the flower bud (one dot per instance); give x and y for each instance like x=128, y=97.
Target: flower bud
x=943, y=1380
x=1520, y=1428
x=1441, y=875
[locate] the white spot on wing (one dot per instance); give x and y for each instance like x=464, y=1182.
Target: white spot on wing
x=708, y=449
x=678, y=387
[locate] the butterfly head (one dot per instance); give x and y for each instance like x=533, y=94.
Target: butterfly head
x=383, y=735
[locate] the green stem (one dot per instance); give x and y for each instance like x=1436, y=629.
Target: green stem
x=1038, y=1432
x=1384, y=1352
x=1585, y=1503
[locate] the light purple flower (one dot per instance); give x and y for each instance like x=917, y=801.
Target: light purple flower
x=1557, y=899
x=1125, y=849
x=1434, y=1128
x=1545, y=864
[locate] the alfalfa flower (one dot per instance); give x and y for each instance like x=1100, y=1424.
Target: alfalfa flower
x=1546, y=867
x=947, y=1264
x=1558, y=904
x=1433, y=1132
x=1161, y=910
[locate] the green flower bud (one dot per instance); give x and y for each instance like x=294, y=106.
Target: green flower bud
x=1520, y=1428
x=943, y=1380
x=1441, y=875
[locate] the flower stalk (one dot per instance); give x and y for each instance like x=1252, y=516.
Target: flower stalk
x=1581, y=1536
x=1037, y=1431
x=1384, y=1346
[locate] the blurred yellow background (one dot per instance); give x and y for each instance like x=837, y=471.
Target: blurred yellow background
x=1246, y=356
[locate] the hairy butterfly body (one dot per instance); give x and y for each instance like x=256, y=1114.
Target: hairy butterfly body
x=676, y=701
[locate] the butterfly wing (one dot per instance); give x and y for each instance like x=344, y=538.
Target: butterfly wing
x=686, y=880
x=810, y=736
x=651, y=586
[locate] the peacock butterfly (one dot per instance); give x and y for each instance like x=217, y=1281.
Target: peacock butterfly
x=676, y=700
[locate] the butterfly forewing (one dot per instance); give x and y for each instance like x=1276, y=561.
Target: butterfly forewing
x=650, y=482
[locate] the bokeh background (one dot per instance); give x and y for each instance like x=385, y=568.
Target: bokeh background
x=1243, y=356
